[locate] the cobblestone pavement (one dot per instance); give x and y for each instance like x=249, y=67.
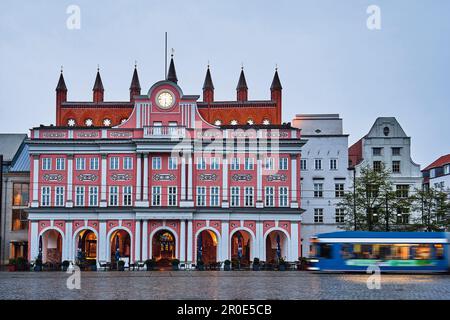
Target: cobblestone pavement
x=220, y=285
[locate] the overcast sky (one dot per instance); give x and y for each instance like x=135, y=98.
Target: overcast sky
x=329, y=61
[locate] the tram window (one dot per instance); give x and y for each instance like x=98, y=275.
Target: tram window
x=322, y=250
x=439, y=251
x=422, y=252
x=347, y=251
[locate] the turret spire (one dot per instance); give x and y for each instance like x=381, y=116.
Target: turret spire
x=242, y=89
x=208, y=87
x=98, y=87
x=172, y=74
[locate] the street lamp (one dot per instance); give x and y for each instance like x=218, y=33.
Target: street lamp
x=354, y=195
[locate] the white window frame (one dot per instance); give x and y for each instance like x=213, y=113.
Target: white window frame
x=215, y=163
x=59, y=196
x=172, y=196
x=283, y=196
x=339, y=215
x=249, y=163
x=60, y=164
x=46, y=192
x=269, y=197
x=172, y=163
x=235, y=196
x=304, y=164
x=318, y=215
x=338, y=192
x=283, y=164
x=127, y=196
x=200, y=199
x=235, y=163
x=318, y=190
x=214, y=196
x=93, y=196
x=80, y=164
x=113, y=199
x=46, y=164
x=156, y=163
x=318, y=164
x=269, y=163
x=334, y=164
x=128, y=163
x=114, y=163
x=94, y=163
x=201, y=163
x=249, y=197
x=156, y=196
x=80, y=196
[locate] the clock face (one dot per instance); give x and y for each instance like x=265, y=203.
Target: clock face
x=165, y=99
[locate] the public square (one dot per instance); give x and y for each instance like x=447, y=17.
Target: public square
x=235, y=285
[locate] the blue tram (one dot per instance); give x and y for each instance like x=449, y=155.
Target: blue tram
x=390, y=251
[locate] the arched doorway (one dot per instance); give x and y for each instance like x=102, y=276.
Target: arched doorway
x=86, y=246
x=163, y=247
x=207, y=247
x=241, y=246
x=120, y=242
x=51, y=246
x=276, y=246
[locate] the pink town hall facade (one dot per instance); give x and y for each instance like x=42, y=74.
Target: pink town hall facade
x=164, y=183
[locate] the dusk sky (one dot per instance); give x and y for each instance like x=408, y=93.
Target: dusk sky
x=329, y=61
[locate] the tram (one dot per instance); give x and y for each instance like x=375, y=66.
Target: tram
x=353, y=251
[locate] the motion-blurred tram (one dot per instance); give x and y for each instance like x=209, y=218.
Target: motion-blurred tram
x=353, y=251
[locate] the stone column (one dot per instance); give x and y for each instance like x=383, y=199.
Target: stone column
x=182, y=240
x=189, y=242
x=102, y=242
x=103, y=202
x=137, y=241
x=69, y=200
x=34, y=240
x=259, y=248
x=224, y=241
x=144, y=240
x=294, y=254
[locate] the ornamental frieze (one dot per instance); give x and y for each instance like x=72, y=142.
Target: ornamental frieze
x=87, y=177
x=52, y=177
x=120, y=134
x=163, y=177
x=276, y=177
x=282, y=134
x=54, y=135
x=241, y=177
x=207, y=177
x=89, y=134
x=121, y=177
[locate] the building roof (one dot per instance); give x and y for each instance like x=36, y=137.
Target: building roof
x=276, y=83
x=208, y=84
x=21, y=162
x=10, y=144
x=61, y=83
x=242, y=83
x=439, y=162
x=135, y=81
x=172, y=74
x=98, y=85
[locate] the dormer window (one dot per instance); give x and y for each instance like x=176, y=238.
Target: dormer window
x=218, y=122
x=88, y=122
x=266, y=122
x=250, y=122
x=233, y=122
x=123, y=120
x=386, y=131
x=71, y=122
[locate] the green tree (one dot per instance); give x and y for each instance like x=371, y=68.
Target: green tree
x=374, y=204
x=434, y=208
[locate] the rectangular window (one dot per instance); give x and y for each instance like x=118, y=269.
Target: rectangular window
x=157, y=126
x=127, y=163
x=172, y=130
x=93, y=196
x=60, y=164
x=20, y=194
x=248, y=197
x=45, y=196
x=79, y=196
x=402, y=216
x=333, y=164
x=284, y=198
x=173, y=163
x=113, y=195
x=80, y=164
x=201, y=163
x=93, y=163
x=283, y=165
x=402, y=190
x=377, y=166
x=19, y=220
x=268, y=164
x=114, y=163
x=171, y=196
x=269, y=197
x=215, y=163
x=340, y=215
x=59, y=196
x=318, y=215
x=318, y=164
x=156, y=163
x=338, y=190
x=396, y=166
x=214, y=196
x=156, y=196
x=447, y=169
x=318, y=190
x=201, y=196
x=376, y=151
x=127, y=192
x=396, y=151
x=235, y=196
x=249, y=164
x=303, y=164
x=46, y=163
x=235, y=164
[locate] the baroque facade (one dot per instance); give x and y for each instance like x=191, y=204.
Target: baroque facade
x=164, y=176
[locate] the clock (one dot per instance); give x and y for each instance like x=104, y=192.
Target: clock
x=165, y=99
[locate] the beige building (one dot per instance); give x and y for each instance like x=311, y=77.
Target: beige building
x=14, y=197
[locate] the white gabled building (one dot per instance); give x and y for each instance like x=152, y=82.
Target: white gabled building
x=324, y=173
x=387, y=143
